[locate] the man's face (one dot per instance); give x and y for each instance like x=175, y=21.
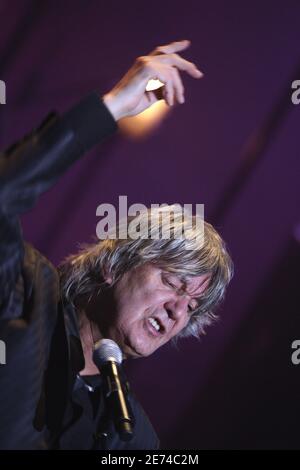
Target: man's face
x=148, y=307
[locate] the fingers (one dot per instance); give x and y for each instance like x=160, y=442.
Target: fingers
x=168, y=55
x=173, y=89
x=176, y=61
x=171, y=48
x=165, y=64
x=178, y=86
x=169, y=93
x=168, y=89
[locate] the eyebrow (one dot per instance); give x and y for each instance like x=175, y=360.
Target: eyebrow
x=184, y=282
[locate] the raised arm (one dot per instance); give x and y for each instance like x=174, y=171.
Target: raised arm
x=32, y=166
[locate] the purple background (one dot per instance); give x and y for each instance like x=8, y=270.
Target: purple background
x=237, y=388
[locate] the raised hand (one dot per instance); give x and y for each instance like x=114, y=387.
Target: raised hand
x=130, y=97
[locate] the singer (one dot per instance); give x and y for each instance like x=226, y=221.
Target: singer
x=139, y=293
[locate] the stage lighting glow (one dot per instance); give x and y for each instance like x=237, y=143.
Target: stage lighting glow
x=143, y=124
x=154, y=85
x=140, y=126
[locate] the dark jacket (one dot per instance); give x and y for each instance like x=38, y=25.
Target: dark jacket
x=41, y=396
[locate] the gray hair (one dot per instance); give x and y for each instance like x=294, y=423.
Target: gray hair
x=192, y=254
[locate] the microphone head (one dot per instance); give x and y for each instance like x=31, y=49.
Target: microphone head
x=106, y=350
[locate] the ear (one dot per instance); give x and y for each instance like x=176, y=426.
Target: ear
x=107, y=276
x=108, y=279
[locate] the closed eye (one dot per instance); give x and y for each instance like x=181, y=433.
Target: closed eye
x=175, y=283
x=170, y=282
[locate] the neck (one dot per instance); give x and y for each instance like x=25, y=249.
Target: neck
x=89, y=335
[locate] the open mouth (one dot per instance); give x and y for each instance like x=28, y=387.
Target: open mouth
x=155, y=326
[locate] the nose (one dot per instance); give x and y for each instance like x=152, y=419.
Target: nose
x=177, y=309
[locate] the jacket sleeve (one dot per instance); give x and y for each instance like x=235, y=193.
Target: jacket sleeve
x=33, y=165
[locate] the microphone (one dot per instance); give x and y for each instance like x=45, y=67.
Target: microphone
x=108, y=358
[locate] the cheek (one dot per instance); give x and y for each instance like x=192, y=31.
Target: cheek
x=135, y=304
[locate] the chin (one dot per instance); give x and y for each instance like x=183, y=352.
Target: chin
x=135, y=352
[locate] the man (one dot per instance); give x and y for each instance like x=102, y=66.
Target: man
x=139, y=293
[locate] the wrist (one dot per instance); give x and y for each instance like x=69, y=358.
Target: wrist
x=113, y=105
